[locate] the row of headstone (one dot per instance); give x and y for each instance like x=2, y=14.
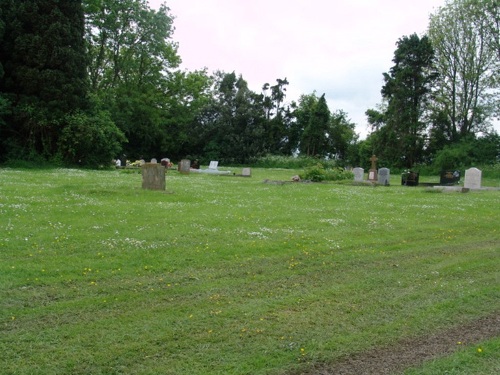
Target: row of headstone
x=472, y=177
x=383, y=175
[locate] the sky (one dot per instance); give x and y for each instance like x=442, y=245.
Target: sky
x=339, y=48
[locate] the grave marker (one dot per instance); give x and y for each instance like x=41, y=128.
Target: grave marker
x=153, y=176
x=185, y=166
x=384, y=176
x=359, y=174
x=372, y=173
x=449, y=177
x=472, y=178
x=246, y=172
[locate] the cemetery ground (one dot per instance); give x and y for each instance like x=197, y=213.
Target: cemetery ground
x=230, y=275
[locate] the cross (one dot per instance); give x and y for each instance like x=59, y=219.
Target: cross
x=374, y=159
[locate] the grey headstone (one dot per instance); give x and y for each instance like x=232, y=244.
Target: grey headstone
x=184, y=166
x=246, y=172
x=153, y=176
x=154, y=161
x=472, y=178
x=384, y=176
x=359, y=174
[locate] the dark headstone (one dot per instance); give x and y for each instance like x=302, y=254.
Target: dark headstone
x=449, y=177
x=409, y=178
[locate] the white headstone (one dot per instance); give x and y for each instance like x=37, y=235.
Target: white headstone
x=246, y=172
x=359, y=174
x=472, y=178
x=384, y=176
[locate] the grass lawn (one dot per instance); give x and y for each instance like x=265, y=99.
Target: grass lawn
x=230, y=275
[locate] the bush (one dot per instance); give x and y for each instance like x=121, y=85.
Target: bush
x=318, y=173
x=90, y=140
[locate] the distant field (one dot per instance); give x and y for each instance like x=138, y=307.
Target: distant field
x=231, y=275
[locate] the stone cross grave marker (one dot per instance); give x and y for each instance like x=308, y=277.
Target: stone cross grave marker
x=472, y=178
x=372, y=173
x=358, y=174
x=384, y=176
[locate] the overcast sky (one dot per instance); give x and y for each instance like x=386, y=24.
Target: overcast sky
x=336, y=47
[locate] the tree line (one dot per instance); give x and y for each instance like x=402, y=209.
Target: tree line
x=83, y=82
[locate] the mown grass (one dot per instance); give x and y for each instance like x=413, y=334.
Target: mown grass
x=230, y=275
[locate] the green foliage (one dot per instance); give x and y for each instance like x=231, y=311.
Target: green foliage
x=464, y=35
x=314, y=141
x=407, y=90
x=43, y=58
x=318, y=173
x=469, y=151
x=90, y=140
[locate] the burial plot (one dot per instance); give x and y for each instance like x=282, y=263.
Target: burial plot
x=359, y=174
x=472, y=178
x=153, y=176
x=384, y=176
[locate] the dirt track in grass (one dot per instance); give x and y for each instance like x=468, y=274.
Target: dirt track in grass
x=412, y=352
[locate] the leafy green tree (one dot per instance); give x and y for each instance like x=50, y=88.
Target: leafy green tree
x=465, y=36
x=407, y=91
x=231, y=127
x=342, y=137
x=132, y=69
x=44, y=72
x=314, y=141
x=277, y=116
x=90, y=138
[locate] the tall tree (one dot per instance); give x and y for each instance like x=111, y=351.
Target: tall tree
x=314, y=140
x=464, y=34
x=132, y=69
x=44, y=62
x=407, y=91
x=277, y=116
x=342, y=137
x=232, y=126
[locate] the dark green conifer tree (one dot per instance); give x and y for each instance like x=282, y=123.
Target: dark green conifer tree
x=42, y=52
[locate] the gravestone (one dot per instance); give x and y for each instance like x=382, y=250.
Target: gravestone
x=410, y=178
x=154, y=161
x=184, y=166
x=246, y=172
x=384, y=176
x=449, y=177
x=153, y=176
x=372, y=173
x=359, y=174
x=472, y=178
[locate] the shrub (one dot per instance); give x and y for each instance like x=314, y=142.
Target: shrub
x=319, y=173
